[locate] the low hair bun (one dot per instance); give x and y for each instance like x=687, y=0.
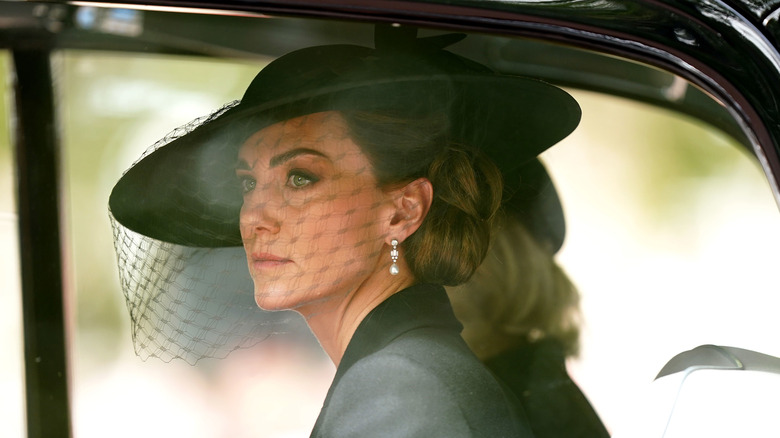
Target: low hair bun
x=454, y=238
x=467, y=187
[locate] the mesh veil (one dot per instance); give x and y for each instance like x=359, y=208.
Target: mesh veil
x=175, y=212
x=189, y=302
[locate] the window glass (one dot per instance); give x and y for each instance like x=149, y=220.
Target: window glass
x=114, y=106
x=670, y=228
x=671, y=235
x=11, y=367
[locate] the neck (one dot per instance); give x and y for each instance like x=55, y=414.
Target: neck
x=333, y=323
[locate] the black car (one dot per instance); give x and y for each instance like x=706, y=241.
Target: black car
x=669, y=188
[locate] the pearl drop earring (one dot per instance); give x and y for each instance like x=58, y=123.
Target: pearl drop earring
x=394, y=256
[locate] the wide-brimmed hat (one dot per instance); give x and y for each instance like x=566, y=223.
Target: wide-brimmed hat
x=184, y=191
x=175, y=212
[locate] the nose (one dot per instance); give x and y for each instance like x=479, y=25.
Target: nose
x=261, y=213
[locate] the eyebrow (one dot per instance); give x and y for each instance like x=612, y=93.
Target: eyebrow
x=282, y=158
x=292, y=153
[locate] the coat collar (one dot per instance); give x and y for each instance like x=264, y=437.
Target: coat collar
x=418, y=306
x=422, y=305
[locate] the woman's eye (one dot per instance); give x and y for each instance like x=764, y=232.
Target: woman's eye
x=298, y=179
x=248, y=184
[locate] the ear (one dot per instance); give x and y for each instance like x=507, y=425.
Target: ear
x=412, y=203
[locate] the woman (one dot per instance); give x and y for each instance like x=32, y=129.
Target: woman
x=364, y=183
x=520, y=313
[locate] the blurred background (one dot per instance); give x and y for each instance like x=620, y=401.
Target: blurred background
x=672, y=239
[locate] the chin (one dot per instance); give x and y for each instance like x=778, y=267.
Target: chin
x=273, y=301
x=276, y=297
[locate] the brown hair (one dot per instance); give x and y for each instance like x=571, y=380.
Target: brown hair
x=455, y=235
x=518, y=295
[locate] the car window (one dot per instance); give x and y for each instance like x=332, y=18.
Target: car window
x=671, y=229
x=11, y=369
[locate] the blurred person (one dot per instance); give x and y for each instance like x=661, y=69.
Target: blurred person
x=358, y=181
x=520, y=313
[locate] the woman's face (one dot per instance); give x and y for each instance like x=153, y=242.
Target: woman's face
x=312, y=218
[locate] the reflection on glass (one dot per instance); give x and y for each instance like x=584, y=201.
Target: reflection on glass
x=670, y=228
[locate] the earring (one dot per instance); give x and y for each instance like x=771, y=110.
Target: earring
x=394, y=256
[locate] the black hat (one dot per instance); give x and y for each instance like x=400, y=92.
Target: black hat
x=184, y=191
x=534, y=202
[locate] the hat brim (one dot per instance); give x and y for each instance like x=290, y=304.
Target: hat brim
x=185, y=192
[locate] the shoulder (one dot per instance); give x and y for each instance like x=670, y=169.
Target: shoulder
x=418, y=385
x=392, y=395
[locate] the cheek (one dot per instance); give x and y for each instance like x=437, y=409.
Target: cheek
x=351, y=227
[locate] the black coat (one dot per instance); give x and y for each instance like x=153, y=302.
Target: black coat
x=555, y=405
x=407, y=373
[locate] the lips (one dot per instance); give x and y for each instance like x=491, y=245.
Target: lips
x=266, y=260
